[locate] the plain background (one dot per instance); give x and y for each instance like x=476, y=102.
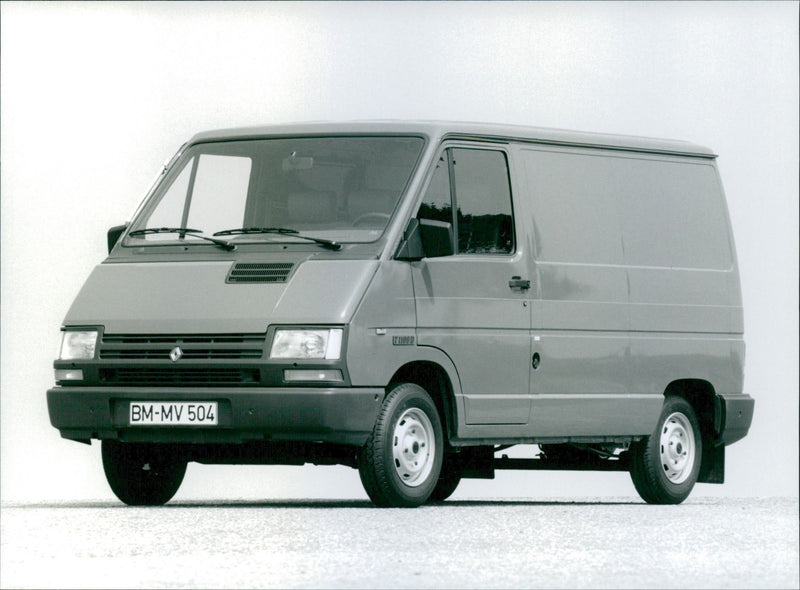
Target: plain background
x=95, y=96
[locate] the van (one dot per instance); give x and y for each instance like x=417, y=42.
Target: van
x=410, y=299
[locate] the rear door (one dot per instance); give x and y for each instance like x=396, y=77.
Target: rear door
x=474, y=304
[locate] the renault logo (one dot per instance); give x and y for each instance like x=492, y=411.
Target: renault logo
x=175, y=353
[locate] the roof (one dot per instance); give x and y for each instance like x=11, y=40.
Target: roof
x=440, y=129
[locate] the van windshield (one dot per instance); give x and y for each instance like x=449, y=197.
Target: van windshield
x=340, y=189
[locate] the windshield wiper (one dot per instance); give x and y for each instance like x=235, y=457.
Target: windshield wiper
x=195, y=233
x=279, y=230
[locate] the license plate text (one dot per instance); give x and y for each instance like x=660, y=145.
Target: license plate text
x=173, y=413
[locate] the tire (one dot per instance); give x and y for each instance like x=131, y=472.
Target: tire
x=400, y=463
x=449, y=478
x=665, y=465
x=142, y=474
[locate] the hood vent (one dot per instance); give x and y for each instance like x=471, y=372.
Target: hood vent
x=259, y=272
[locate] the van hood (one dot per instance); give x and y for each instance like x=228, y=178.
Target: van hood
x=194, y=297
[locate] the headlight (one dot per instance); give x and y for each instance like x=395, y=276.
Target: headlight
x=78, y=344
x=307, y=344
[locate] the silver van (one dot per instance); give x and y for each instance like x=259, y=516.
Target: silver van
x=410, y=299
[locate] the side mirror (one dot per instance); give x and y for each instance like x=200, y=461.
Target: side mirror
x=411, y=247
x=437, y=238
x=425, y=238
x=114, y=234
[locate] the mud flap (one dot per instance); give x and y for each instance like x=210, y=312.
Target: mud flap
x=477, y=462
x=712, y=467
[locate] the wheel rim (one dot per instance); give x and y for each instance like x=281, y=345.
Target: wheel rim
x=413, y=449
x=678, y=447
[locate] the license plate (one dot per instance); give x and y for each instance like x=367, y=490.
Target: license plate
x=173, y=414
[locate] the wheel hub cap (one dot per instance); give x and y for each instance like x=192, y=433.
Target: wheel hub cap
x=677, y=448
x=412, y=447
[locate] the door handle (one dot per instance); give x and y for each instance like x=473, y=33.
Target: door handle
x=518, y=283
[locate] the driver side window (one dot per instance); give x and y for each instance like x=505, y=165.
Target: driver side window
x=470, y=190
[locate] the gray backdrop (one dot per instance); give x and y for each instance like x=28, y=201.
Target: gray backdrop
x=95, y=96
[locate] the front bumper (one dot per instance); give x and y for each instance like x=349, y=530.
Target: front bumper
x=734, y=414
x=334, y=414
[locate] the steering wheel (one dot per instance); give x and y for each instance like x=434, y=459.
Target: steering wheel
x=370, y=215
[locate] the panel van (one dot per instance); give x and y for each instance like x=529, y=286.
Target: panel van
x=410, y=299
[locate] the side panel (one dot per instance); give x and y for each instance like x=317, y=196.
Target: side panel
x=616, y=312
x=580, y=321
x=684, y=292
x=638, y=287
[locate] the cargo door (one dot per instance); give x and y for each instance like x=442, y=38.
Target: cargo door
x=580, y=316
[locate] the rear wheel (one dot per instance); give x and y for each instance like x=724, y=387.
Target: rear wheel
x=400, y=463
x=142, y=474
x=665, y=466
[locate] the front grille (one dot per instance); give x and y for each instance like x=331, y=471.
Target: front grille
x=193, y=347
x=178, y=377
x=259, y=272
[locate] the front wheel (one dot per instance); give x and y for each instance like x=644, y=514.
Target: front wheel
x=665, y=466
x=449, y=478
x=142, y=474
x=400, y=463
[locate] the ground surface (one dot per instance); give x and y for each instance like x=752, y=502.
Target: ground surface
x=704, y=543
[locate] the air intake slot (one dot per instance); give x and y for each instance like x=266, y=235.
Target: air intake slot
x=178, y=377
x=259, y=272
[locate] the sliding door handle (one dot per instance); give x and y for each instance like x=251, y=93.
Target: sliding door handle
x=518, y=283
